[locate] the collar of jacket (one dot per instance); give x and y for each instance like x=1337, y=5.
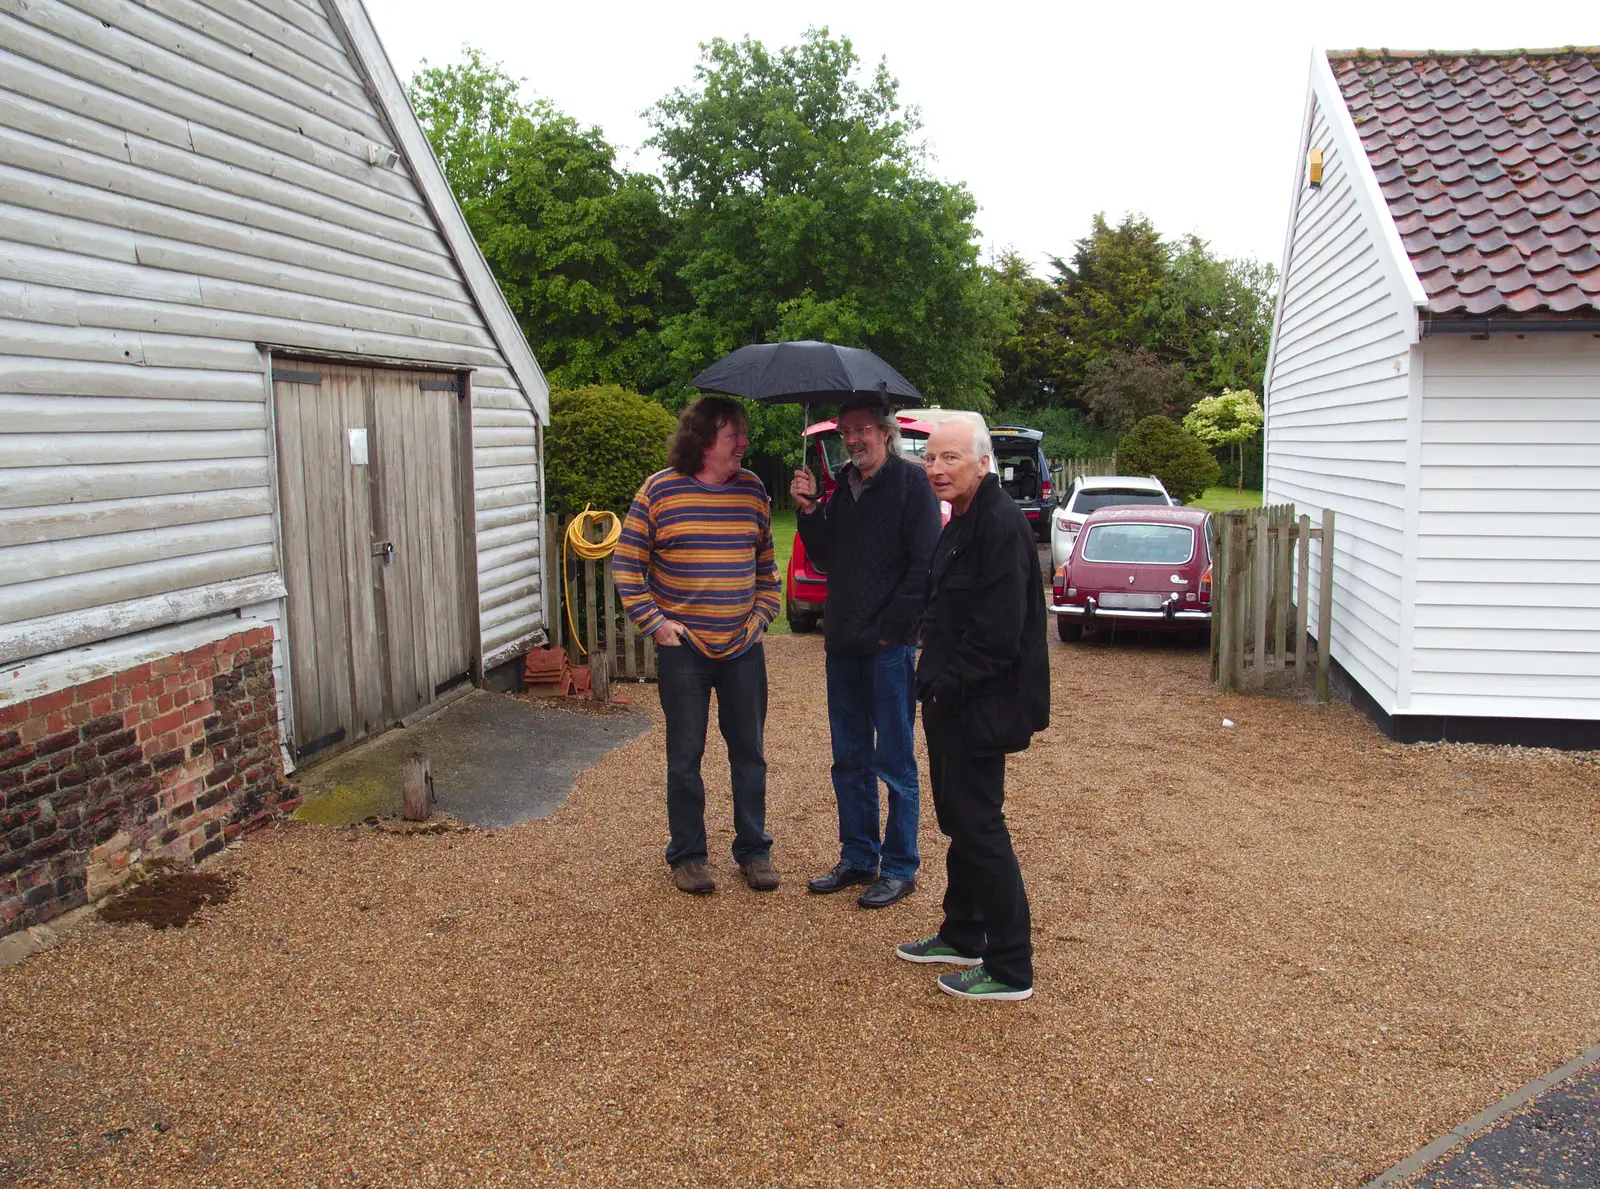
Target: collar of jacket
x=984, y=497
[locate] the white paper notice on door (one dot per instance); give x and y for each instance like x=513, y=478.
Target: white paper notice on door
x=358, y=447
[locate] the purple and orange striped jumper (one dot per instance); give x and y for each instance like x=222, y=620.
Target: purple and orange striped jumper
x=701, y=555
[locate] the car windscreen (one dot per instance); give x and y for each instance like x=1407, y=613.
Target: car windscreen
x=1153, y=544
x=1093, y=501
x=913, y=447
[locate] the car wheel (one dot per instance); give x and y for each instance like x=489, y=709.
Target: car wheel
x=1069, y=632
x=801, y=623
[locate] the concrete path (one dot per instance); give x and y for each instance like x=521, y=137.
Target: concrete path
x=496, y=761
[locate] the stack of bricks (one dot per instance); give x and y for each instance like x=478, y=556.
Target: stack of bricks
x=166, y=759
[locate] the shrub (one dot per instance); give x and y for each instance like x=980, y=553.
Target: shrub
x=604, y=441
x=1157, y=446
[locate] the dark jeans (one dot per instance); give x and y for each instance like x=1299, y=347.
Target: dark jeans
x=872, y=713
x=985, y=906
x=685, y=684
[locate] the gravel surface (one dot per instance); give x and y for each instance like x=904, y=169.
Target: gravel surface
x=1282, y=954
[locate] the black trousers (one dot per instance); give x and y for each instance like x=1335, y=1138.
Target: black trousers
x=985, y=906
x=685, y=684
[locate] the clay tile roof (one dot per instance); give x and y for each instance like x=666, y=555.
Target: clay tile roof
x=1490, y=164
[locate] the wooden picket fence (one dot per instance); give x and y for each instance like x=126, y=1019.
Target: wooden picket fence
x=1064, y=470
x=604, y=631
x=1261, y=573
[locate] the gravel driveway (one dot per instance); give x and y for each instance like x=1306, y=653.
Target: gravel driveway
x=1284, y=954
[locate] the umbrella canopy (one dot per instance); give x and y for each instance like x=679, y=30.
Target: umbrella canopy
x=805, y=372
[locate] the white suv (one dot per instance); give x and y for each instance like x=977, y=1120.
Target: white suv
x=1090, y=493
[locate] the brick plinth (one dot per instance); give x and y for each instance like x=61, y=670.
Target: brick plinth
x=159, y=760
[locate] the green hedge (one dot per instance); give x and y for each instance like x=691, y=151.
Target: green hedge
x=604, y=441
x=1160, y=447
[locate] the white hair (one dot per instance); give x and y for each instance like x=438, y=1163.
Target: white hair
x=982, y=444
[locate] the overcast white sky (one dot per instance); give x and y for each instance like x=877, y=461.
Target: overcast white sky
x=1049, y=112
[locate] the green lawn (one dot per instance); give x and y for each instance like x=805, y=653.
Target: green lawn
x=783, y=546
x=1226, y=499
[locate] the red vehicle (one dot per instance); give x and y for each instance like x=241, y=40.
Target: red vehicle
x=805, y=586
x=1146, y=566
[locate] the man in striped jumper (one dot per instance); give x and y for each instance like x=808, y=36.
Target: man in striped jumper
x=696, y=570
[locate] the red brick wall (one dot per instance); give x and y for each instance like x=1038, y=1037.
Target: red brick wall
x=165, y=759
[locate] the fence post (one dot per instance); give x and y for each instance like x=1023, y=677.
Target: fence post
x=1302, y=602
x=1280, y=601
x=1325, y=608
x=609, y=602
x=1260, y=573
x=1238, y=591
x=1215, y=546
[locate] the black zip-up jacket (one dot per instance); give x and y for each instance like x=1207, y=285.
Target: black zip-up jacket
x=984, y=650
x=875, y=550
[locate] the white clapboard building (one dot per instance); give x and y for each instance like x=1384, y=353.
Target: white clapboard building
x=1435, y=379
x=252, y=366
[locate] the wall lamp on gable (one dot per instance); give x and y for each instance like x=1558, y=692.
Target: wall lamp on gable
x=1314, y=168
x=382, y=155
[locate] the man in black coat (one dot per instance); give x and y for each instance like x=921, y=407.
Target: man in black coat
x=984, y=683
x=874, y=538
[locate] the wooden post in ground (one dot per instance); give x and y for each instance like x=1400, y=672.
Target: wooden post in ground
x=416, y=788
x=1302, y=602
x=1325, y=609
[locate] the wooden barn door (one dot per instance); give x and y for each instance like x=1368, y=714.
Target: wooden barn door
x=425, y=602
x=370, y=470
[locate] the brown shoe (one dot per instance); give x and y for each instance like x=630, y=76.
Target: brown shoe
x=758, y=873
x=693, y=878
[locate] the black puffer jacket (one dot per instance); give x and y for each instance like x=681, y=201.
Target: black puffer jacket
x=875, y=550
x=983, y=631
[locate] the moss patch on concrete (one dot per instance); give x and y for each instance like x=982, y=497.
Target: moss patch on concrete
x=354, y=797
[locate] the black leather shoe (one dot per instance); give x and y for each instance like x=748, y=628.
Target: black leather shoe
x=840, y=878
x=885, y=891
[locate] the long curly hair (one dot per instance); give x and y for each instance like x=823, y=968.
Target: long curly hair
x=697, y=430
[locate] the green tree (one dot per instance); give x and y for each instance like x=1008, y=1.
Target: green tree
x=1216, y=317
x=603, y=442
x=1158, y=446
x=578, y=246
x=1112, y=294
x=1231, y=418
x=804, y=208
x=1128, y=386
x=1030, y=357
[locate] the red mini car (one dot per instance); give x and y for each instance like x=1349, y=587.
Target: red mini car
x=805, y=586
x=1149, y=567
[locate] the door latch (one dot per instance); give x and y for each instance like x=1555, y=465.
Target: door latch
x=383, y=549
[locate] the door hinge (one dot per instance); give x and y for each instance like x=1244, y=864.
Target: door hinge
x=290, y=375
x=441, y=385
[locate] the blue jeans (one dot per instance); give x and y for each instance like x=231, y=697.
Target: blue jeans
x=686, y=681
x=875, y=695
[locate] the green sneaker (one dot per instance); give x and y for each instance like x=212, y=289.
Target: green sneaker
x=976, y=984
x=933, y=949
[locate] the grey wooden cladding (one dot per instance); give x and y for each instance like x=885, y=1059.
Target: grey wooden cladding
x=374, y=556
x=1260, y=589
x=181, y=182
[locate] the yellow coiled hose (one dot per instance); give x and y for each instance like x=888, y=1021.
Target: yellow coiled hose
x=577, y=540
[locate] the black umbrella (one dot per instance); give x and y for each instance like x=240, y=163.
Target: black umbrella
x=805, y=372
